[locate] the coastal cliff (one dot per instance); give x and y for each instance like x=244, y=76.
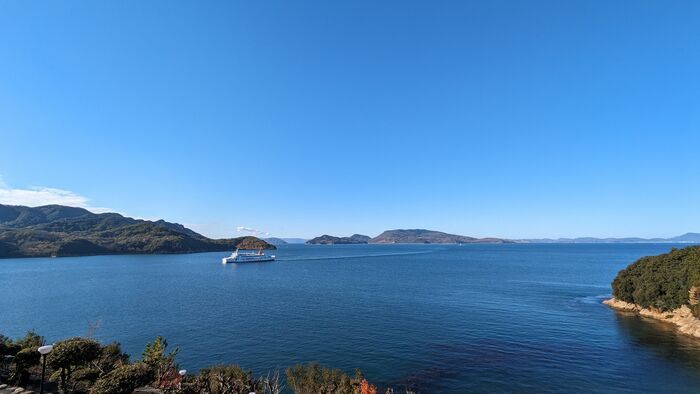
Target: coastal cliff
x=682, y=317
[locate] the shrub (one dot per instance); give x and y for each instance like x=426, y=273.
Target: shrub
x=314, y=378
x=158, y=360
x=24, y=359
x=25, y=355
x=31, y=340
x=123, y=379
x=111, y=357
x=225, y=379
x=70, y=355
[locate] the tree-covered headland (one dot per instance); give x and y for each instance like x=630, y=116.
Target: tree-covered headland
x=663, y=282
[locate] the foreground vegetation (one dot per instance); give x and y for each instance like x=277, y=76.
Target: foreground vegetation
x=663, y=282
x=83, y=365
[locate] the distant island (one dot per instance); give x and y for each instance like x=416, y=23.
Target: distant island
x=664, y=287
x=413, y=236
x=56, y=230
x=284, y=241
x=275, y=241
x=294, y=240
x=685, y=238
x=420, y=236
x=331, y=240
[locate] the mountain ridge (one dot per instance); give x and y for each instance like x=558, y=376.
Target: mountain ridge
x=684, y=238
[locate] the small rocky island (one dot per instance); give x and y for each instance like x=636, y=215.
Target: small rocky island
x=57, y=230
x=664, y=287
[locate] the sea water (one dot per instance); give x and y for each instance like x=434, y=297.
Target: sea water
x=434, y=318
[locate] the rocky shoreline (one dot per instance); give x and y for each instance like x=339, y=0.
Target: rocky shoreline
x=682, y=317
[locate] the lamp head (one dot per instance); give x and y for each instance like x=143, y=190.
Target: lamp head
x=44, y=350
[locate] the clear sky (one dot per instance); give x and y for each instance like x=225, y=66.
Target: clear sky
x=294, y=118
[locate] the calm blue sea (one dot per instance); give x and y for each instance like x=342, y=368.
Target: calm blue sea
x=472, y=318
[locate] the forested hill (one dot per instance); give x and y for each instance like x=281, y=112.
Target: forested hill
x=330, y=240
x=56, y=230
x=428, y=237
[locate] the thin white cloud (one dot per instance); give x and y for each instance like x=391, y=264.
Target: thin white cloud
x=37, y=196
x=252, y=231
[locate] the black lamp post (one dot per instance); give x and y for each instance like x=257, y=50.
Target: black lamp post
x=44, y=350
x=182, y=374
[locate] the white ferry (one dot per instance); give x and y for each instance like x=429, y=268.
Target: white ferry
x=248, y=257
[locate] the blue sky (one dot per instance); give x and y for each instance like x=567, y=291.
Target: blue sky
x=491, y=118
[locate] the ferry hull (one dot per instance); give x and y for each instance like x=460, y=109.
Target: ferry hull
x=239, y=259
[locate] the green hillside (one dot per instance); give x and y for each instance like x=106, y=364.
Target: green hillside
x=56, y=230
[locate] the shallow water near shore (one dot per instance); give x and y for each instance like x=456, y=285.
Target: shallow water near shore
x=484, y=318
